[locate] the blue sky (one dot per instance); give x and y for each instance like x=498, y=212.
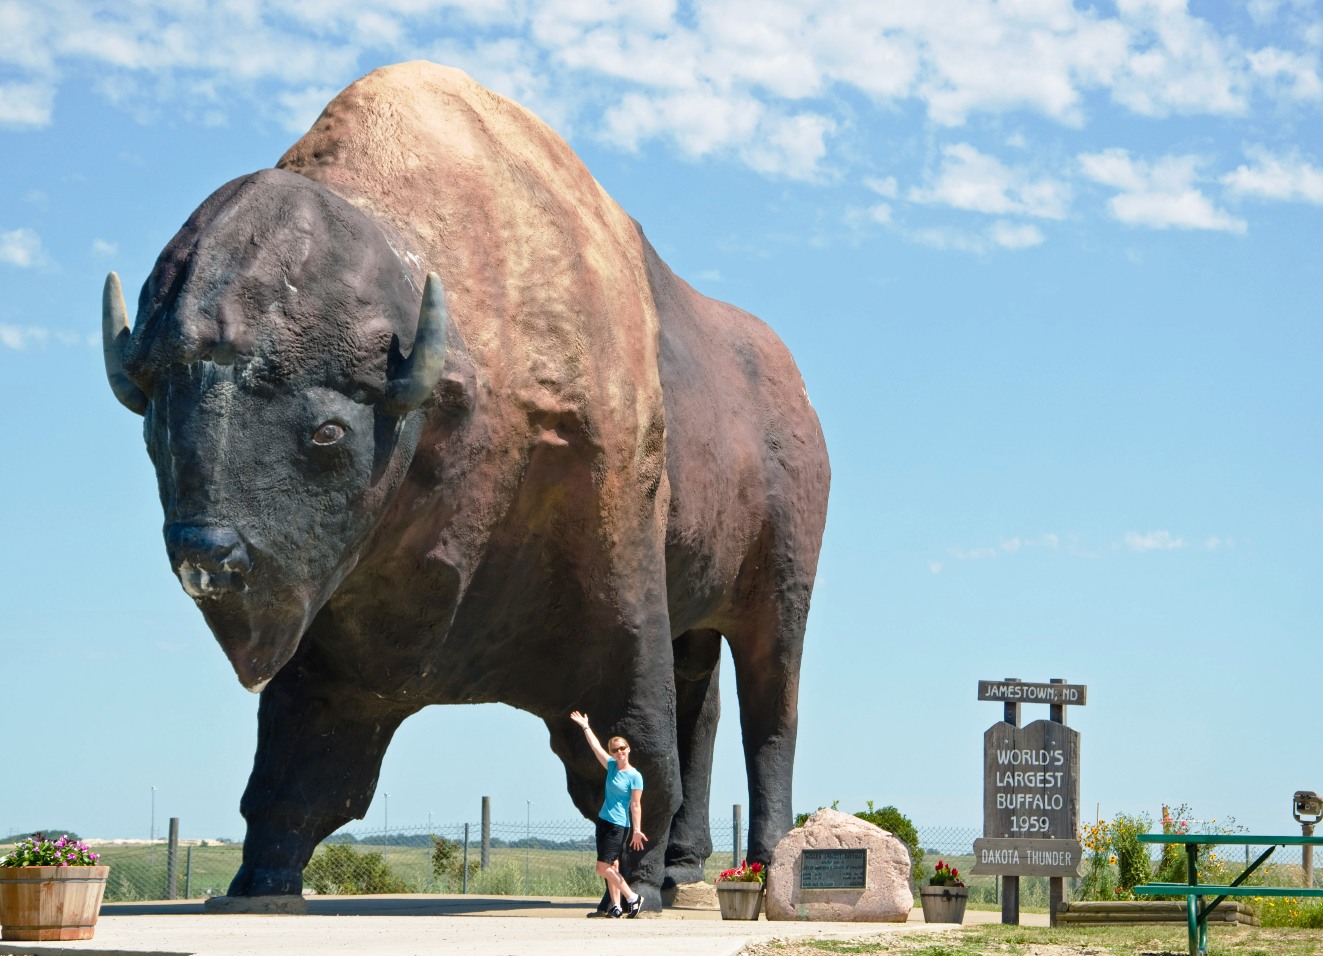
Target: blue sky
x=1051, y=273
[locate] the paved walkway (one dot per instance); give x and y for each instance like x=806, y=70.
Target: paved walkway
x=419, y=925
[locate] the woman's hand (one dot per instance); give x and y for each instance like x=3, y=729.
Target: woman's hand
x=637, y=840
x=580, y=718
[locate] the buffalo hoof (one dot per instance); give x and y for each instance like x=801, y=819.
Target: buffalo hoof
x=677, y=874
x=262, y=905
x=266, y=881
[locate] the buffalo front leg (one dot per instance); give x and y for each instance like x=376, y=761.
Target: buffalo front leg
x=697, y=710
x=642, y=710
x=319, y=751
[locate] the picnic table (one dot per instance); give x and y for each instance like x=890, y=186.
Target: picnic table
x=1196, y=914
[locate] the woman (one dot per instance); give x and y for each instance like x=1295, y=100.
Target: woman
x=622, y=806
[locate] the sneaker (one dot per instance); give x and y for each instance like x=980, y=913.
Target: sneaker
x=614, y=912
x=598, y=914
x=634, y=907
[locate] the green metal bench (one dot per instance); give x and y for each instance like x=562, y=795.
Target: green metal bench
x=1196, y=913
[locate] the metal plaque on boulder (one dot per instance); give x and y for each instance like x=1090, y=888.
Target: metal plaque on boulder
x=834, y=869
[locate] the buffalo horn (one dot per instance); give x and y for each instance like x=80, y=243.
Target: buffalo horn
x=114, y=342
x=419, y=373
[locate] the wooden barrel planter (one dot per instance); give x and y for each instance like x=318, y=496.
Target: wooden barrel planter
x=740, y=900
x=50, y=902
x=944, y=904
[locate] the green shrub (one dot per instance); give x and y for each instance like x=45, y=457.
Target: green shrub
x=1131, y=855
x=340, y=869
x=448, y=861
x=899, y=826
x=895, y=823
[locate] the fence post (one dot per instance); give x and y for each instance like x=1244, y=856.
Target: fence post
x=188, y=874
x=485, y=859
x=172, y=862
x=737, y=843
x=466, y=859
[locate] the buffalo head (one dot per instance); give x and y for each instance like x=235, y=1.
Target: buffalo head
x=280, y=409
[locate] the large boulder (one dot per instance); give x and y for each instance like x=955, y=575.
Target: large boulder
x=887, y=897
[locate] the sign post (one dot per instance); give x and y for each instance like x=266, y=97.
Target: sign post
x=1031, y=792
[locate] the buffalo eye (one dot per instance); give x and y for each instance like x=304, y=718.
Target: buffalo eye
x=328, y=433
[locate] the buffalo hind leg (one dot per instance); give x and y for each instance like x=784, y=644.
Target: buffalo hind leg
x=319, y=751
x=697, y=709
x=766, y=647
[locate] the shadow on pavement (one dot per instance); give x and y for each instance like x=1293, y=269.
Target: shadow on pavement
x=381, y=906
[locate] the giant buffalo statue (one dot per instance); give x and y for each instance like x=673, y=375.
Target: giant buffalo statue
x=432, y=423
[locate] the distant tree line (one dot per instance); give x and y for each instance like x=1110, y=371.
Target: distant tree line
x=52, y=832
x=425, y=840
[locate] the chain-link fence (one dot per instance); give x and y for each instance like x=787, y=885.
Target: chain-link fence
x=537, y=858
x=532, y=858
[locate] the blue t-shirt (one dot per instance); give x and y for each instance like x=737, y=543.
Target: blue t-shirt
x=615, y=808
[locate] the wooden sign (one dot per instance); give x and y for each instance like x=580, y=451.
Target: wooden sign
x=1031, y=797
x=1022, y=692
x=1031, y=780
x=1027, y=857
x=834, y=869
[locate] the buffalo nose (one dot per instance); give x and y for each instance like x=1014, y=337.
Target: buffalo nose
x=208, y=560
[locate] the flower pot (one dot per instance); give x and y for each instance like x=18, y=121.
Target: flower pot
x=50, y=902
x=944, y=904
x=740, y=900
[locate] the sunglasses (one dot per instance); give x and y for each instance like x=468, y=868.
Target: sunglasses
x=619, y=750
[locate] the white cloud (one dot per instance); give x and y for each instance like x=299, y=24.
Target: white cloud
x=104, y=248
x=1039, y=56
x=972, y=554
x=998, y=235
x=885, y=187
x=974, y=181
x=1152, y=541
x=791, y=146
x=1009, y=235
x=774, y=84
x=1290, y=177
x=21, y=247
x=701, y=121
x=22, y=337
x=1177, y=63
x=957, y=57
x=1296, y=74
x=302, y=107
x=1006, y=546
x=1161, y=195
x=26, y=105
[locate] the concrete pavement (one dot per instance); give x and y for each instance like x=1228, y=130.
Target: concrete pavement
x=425, y=925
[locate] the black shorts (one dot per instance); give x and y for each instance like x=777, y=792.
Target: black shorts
x=610, y=841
